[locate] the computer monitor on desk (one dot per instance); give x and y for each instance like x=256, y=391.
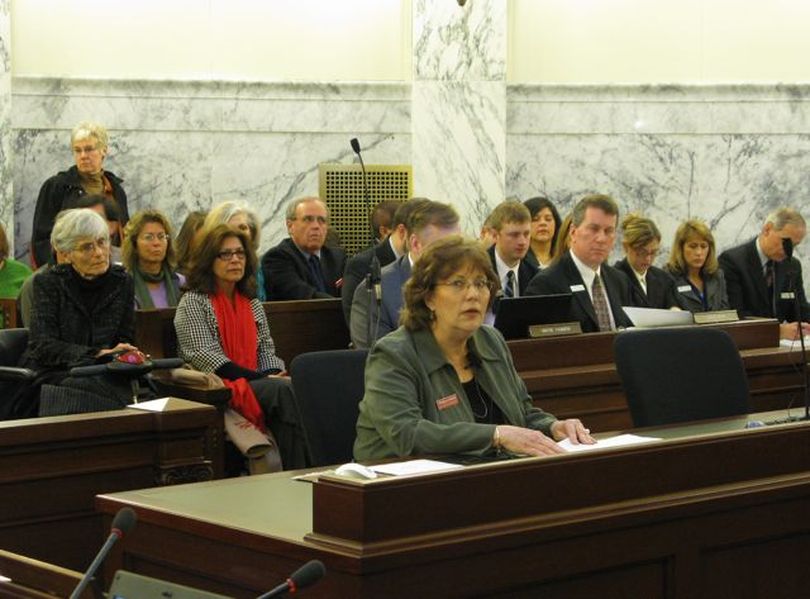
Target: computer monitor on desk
x=514, y=315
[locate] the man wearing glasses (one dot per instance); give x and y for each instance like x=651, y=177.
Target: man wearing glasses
x=302, y=266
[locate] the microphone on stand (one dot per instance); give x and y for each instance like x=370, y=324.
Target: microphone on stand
x=374, y=277
x=787, y=246
x=123, y=522
x=308, y=574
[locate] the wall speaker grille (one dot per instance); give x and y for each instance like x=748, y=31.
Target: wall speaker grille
x=341, y=187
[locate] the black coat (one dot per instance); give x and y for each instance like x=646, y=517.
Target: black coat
x=661, y=291
x=358, y=267
x=64, y=331
x=60, y=192
x=748, y=292
x=526, y=271
x=287, y=276
x=563, y=274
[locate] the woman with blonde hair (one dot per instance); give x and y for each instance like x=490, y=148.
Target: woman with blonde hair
x=699, y=282
x=149, y=257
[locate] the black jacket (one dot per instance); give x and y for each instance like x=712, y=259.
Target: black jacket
x=563, y=274
x=287, y=276
x=358, y=267
x=661, y=291
x=64, y=331
x=526, y=271
x=60, y=192
x=748, y=292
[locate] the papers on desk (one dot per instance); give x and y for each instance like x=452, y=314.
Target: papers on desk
x=617, y=441
x=414, y=467
x=797, y=345
x=656, y=317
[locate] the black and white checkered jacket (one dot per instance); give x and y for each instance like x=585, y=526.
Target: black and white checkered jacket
x=198, y=338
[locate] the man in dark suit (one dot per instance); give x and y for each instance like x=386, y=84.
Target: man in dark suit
x=599, y=290
x=301, y=266
x=511, y=225
x=389, y=249
x=762, y=280
x=428, y=222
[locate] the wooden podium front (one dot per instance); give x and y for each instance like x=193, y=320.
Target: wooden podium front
x=713, y=510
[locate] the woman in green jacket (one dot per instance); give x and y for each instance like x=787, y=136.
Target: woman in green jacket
x=442, y=382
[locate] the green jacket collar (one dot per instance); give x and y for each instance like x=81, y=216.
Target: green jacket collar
x=434, y=359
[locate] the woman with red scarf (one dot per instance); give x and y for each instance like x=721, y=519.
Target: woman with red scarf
x=222, y=328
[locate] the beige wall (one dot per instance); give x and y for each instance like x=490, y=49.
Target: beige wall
x=659, y=41
x=315, y=40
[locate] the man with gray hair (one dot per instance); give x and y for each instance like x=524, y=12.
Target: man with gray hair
x=763, y=278
x=302, y=266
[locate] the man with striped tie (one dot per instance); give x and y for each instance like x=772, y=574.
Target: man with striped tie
x=511, y=227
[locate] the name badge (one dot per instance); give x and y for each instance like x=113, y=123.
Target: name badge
x=787, y=295
x=575, y=288
x=447, y=402
x=684, y=288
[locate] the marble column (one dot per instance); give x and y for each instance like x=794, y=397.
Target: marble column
x=458, y=105
x=6, y=188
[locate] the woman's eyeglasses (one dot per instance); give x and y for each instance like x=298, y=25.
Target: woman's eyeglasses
x=89, y=247
x=462, y=285
x=152, y=236
x=228, y=255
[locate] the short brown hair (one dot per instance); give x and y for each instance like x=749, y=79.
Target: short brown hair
x=692, y=228
x=603, y=202
x=129, y=251
x=439, y=261
x=201, y=274
x=184, y=243
x=431, y=213
x=510, y=211
x=638, y=231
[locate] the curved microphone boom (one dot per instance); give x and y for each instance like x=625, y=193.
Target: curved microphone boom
x=308, y=574
x=123, y=522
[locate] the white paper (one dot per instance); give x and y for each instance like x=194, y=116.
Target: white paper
x=617, y=441
x=153, y=405
x=414, y=467
x=794, y=344
x=656, y=317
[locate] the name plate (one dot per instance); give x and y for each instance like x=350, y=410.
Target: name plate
x=554, y=330
x=716, y=317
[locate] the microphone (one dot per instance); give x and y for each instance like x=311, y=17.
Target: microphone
x=123, y=522
x=787, y=245
x=308, y=574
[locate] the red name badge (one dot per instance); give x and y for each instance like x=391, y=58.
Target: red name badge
x=447, y=402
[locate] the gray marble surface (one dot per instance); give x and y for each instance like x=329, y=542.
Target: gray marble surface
x=6, y=156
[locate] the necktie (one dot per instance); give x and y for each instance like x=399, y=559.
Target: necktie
x=769, y=280
x=317, y=275
x=509, y=289
x=600, y=304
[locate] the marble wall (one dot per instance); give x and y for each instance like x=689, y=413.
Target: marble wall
x=6, y=157
x=728, y=154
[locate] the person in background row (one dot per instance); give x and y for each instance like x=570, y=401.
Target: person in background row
x=239, y=216
x=108, y=210
x=13, y=274
x=487, y=235
x=184, y=242
x=148, y=256
x=512, y=228
x=382, y=218
x=545, y=230
x=699, y=282
x=763, y=281
x=222, y=328
x=302, y=266
x=442, y=382
x=652, y=287
x=89, y=143
x=563, y=241
x=599, y=290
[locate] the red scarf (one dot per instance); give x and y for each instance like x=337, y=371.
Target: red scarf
x=237, y=330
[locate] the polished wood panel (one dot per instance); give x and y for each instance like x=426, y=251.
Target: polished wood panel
x=667, y=519
x=36, y=579
x=52, y=468
x=10, y=313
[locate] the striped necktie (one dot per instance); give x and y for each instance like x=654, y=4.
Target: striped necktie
x=509, y=288
x=600, y=304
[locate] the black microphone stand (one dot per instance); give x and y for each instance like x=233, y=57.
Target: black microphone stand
x=374, y=277
x=797, y=310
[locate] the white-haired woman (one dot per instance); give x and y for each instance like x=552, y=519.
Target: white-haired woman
x=239, y=216
x=88, y=142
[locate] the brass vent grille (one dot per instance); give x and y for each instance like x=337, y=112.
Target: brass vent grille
x=341, y=187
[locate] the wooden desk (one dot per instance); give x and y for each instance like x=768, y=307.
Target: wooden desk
x=51, y=469
x=297, y=327
x=575, y=377
x=37, y=580
x=714, y=511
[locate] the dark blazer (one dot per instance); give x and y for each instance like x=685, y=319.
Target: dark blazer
x=526, y=271
x=660, y=287
x=563, y=274
x=358, y=267
x=287, y=276
x=394, y=277
x=714, y=288
x=60, y=192
x=747, y=290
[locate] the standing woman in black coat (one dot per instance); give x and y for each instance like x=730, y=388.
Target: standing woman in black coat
x=88, y=142
x=83, y=307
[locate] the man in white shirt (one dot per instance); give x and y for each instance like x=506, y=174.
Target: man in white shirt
x=510, y=223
